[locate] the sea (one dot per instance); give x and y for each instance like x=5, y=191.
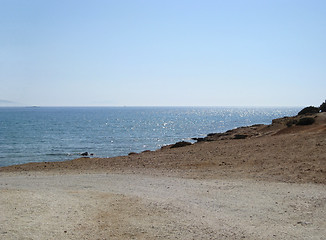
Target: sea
x=47, y=134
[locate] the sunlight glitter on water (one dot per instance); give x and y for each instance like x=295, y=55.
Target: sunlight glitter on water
x=57, y=134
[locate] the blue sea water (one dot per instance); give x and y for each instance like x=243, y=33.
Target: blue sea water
x=61, y=133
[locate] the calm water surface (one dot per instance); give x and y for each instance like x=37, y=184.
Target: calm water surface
x=57, y=134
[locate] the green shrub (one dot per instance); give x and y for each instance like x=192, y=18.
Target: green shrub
x=291, y=122
x=322, y=107
x=306, y=121
x=309, y=110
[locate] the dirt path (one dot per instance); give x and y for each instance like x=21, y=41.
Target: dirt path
x=130, y=206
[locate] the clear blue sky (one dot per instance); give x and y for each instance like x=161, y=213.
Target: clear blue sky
x=162, y=53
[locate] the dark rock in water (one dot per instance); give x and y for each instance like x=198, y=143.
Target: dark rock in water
x=180, y=144
x=240, y=136
x=198, y=139
x=84, y=154
x=211, y=134
x=132, y=153
x=215, y=136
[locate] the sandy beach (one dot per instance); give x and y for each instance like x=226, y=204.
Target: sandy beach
x=257, y=182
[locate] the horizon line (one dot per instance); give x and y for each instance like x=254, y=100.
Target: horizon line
x=145, y=106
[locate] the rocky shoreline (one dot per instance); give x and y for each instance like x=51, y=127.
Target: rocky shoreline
x=256, y=182
x=297, y=152
x=277, y=126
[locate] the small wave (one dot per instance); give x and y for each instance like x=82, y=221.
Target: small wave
x=59, y=154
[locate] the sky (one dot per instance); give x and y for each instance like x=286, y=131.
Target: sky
x=162, y=53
